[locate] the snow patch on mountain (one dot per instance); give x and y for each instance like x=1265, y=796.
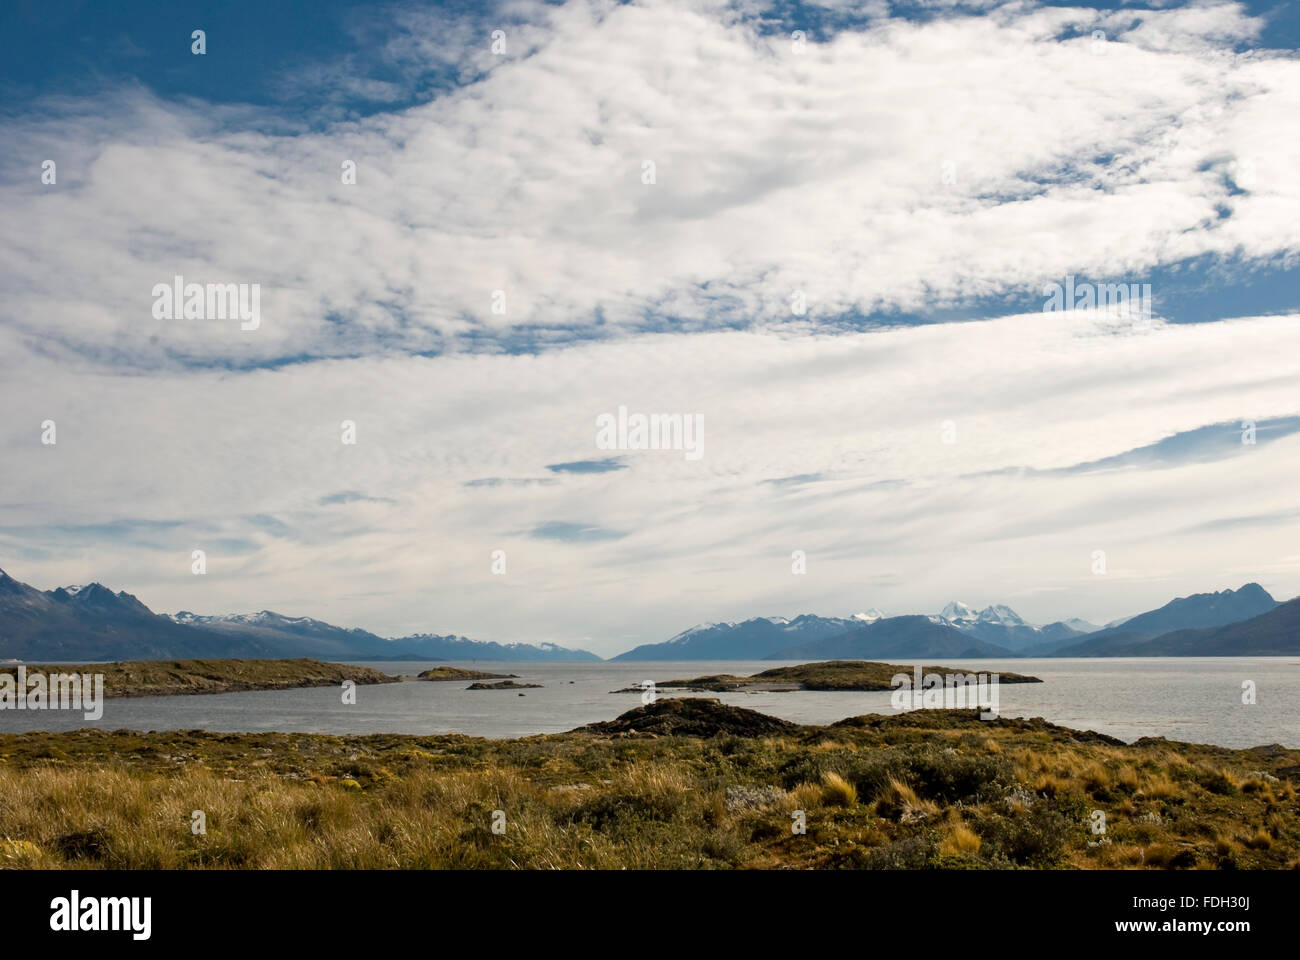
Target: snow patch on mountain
x=1083, y=626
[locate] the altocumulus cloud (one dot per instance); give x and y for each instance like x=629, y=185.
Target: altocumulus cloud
x=776, y=171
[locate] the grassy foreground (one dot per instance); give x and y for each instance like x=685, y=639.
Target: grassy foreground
x=924, y=789
x=156, y=678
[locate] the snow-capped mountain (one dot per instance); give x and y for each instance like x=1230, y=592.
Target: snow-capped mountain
x=307, y=634
x=997, y=613
x=893, y=638
x=999, y=624
x=808, y=636
x=292, y=636
x=1081, y=625
x=261, y=618
x=958, y=612
x=91, y=622
x=747, y=639
x=999, y=627
x=429, y=646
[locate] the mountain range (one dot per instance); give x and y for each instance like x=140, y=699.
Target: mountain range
x=1004, y=627
x=94, y=623
x=957, y=631
x=1198, y=612
x=752, y=639
x=1204, y=624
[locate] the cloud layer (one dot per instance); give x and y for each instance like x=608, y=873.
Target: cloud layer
x=897, y=165
x=451, y=463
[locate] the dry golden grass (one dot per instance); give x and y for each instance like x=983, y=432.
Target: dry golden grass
x=1051, y=786
x=959, y=840
x=889, y=792
x=1260, y=840
x=900, y=802
x=1158, y=787
x=838, y=792
x=807, y=796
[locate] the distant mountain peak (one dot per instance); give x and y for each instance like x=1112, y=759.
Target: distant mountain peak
x=870, y=615
x=999, y=613
x=96, y=595
x=94, y=588
x=957, y=610
x=1081, y=625
x=1253, y=590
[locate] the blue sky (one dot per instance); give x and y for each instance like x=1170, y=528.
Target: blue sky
x=839, y=262
x=73, y=46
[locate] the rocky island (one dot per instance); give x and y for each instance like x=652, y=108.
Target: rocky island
x=161, y=678
x=862, y=675
x=459, y=673
x=504, y=685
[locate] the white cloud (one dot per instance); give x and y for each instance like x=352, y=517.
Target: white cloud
x=895, y=518
x=776, y=172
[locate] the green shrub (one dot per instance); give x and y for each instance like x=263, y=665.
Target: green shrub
x=1031, y=838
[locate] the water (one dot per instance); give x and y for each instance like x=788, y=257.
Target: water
x=1196, y=700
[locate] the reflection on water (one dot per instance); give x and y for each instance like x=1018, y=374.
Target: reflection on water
x=1197, y=700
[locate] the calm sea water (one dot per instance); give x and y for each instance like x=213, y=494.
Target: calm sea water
x=1196, y=700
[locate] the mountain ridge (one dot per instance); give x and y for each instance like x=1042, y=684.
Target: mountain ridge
x=996, y=627
x=1197, y=611
x=91, y=622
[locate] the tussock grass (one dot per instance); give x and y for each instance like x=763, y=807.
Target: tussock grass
x=900, y=802
x=836, y=791
x=960, y=840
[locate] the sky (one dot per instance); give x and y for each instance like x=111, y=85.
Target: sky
x=828, y=234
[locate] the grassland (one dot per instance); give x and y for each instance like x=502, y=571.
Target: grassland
x=157, y=678
x=826, y=675
x=927, y=789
